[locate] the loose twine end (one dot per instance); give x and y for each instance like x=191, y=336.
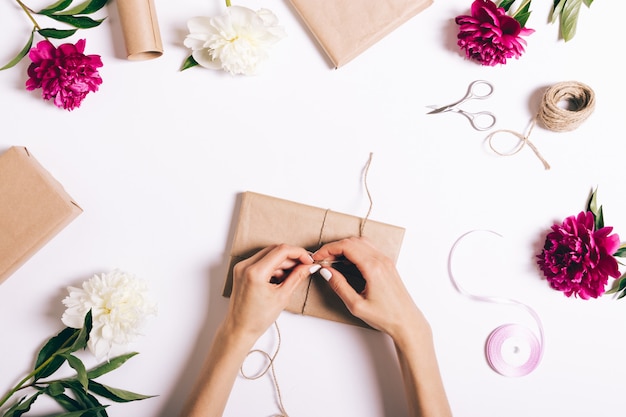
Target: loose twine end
x=272, y=358
x=579, y=100
x=369, y=195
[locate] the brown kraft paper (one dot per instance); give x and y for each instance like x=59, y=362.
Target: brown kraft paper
x=264, y=220
x=346, y=28
x=34, y=208
x=141, y=29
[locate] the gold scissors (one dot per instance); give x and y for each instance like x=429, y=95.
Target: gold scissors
x=482, y=120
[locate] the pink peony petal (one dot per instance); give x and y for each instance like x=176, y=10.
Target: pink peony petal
x=64, y=74
x=489, y=36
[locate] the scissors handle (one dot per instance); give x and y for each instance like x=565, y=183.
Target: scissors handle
x=482, y=120
x=476, y=90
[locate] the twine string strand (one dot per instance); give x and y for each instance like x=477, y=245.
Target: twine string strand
x=269, y=368
x=320, y=240
x=369, y=195
x=564, y=107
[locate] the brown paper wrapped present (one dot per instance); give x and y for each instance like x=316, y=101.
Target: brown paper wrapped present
x=346, y=28
x=34, y=207
x=265, y=220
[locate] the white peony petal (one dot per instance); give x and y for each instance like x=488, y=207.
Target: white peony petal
x=236, y=41
x=199, y=24
x=119, y=307
x=205, y=59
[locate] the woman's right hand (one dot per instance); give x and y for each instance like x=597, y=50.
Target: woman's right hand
x=385, y=303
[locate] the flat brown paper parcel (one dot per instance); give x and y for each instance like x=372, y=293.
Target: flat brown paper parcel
x=34, y=207
x=346, y=28
x=264, y=220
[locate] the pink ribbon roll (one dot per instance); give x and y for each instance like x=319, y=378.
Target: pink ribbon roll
x=511, y=349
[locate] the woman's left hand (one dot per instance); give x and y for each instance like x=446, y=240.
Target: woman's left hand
x=263, y=285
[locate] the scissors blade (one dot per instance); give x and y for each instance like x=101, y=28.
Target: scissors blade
x=439, y=109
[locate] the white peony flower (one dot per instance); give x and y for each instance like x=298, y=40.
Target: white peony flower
x=119, y=306
x=237, y=41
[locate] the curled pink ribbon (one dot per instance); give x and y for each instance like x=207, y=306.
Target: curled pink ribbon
x=505, y=345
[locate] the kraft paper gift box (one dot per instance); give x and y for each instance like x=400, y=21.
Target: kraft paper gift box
x=264, y=220
x=34, y=208
x=346, y=28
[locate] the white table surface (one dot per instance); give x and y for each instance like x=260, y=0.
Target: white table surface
x=157, y=158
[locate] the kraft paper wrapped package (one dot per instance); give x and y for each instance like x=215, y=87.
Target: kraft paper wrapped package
x=264, y=220
x=140, y=28
x=34, y=208
x=346, y=28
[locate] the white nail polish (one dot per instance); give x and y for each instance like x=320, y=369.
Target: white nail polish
x=314, y=268
x=326, y=274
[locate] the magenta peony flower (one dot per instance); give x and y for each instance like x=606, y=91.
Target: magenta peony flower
x=577, y=259
x=490, y=36
x=64, y=74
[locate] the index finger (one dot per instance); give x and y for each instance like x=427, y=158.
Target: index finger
x=281, y=255
x=356, y=249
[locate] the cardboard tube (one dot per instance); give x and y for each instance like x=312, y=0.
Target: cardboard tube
x=141, y=29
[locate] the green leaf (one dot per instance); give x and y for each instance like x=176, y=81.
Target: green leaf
x=115, y=394
x=85, y=399
x=622, y=295
x=68, y=403
x=83, y=334
x=54, y=389
x=556, y=10
x=522, y=13
x=22, y=406
x=522, y=18
x=80, y=22
x=189, y=63
x=56, y=33
x=21, y=54
x=600, y=219
x=621, y=252
x=87, y=7
x=50, y=357
x=51, y=350
x=109, y=366
x=55, y=7
x=569, y=18
x=79, y=367
x=83, y=413
x=592, y=204
x=618, y=285
x=588, y=2
x=506, y=4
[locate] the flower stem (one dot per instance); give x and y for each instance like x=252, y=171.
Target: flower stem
x=20, y=385
x=227, y=3
x=29, y=14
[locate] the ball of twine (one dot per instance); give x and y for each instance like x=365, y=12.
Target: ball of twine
x=566, y=105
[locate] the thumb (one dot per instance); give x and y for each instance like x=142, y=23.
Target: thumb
x=295, y=278
x=340, y=285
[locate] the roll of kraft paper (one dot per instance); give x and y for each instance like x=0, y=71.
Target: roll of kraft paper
x=141, y=29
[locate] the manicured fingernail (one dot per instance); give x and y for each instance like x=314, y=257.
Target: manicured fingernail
x=314, y=268
x=326, y=274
